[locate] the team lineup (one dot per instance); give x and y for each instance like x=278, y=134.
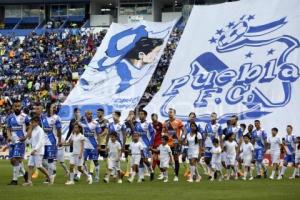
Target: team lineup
x=224, y=153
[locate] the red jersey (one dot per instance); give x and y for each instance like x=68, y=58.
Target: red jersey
x=158, y=130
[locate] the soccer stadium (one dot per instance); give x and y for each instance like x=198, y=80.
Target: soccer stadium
x=149, y=99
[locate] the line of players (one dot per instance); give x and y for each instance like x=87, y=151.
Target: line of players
x=145, y=144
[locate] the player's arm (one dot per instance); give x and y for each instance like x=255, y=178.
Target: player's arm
x=183, y=131
x=58, y=131
x=265, y=140
x=81, y=148
x=9, y=132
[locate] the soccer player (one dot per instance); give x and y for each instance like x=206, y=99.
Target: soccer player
x=236, y=129
x=91, y=132
x=104, y=128
x=231, y=148
x=136, y=151
x=247, y=150
x=157, y=125
x=174, y=128
x=289, y=147
x=114, y=150
x=76, y=160
x=259, y=139
x=216, y=163
x=194, y=141
x=275, y=144
x=165, y=157
x=212, y=130
x=51, y=125
x=130, y=125
x=17, y=123
x=118, y=127
x=146, y=133
x=37, y=138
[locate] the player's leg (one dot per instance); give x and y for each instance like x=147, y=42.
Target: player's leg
x=287, y=159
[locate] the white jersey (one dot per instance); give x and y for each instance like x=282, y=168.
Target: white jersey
x=216, y=154
x=275, y=143
x=230, y=148
x=247, y=150
x=164, y=152
x=37, y=140
x=212, y=131
x=136, y=148
x=114, y=149
x=192, y=139
x=77, y=139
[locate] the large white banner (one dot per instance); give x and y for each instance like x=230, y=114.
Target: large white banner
x=121, y=69
x=237, y=58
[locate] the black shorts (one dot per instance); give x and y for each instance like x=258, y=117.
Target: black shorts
x=126, y=150
x=176, y=150
x=103, y=152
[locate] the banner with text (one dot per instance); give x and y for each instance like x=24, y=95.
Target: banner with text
x=239, y=58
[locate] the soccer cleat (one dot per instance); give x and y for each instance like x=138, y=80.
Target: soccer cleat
x=212, y=179
x=70, y=183
x=272, y=177
x=120, y=181
x=166, y=180
x=279, y=177
x=236, y=178
x=160, y=177
x=96, y=180
x=221, y=179
x=258, y=176
x=175, y=179
x=198, y=179
x=227, y=178
x=27, y=184
x=292, y=177
x=140, y=180
x=35, y=174
x=47, y=181
x=90, y=180
x=13, y=183
x=244, y=178
x=251, y=178
x=151, y=176
x=190, y=180
x=130, y=180
x=106, y=180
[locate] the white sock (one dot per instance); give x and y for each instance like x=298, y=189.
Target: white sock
x=51, y=168
x=22, y=168
x=97, y=171
x=295, y=172
x=141, y=172
x=258, y=166
x=16, y=170
x=193, y=171
x=245, y=174
x=250, y=172
x=273, y=173
x=283, y=170
x=72, y=176
x=133, y=174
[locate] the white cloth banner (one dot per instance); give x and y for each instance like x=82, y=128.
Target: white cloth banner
x=237, y=58
x=121, y=69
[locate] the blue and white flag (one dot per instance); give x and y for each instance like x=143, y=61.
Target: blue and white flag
x=121, y=69
x=237, y=58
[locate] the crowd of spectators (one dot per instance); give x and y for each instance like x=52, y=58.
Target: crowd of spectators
x=42, y=67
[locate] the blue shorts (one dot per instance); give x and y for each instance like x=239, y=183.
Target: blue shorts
x=147, y=153
x=207, y=153
x=50, y=152
x=259, y=155
x=90, y=154
x=289, y=158
x=16, y=150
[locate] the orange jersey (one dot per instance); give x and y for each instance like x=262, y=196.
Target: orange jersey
x=173, y=130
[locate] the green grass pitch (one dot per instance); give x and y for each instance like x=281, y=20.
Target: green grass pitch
x=257, y=189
